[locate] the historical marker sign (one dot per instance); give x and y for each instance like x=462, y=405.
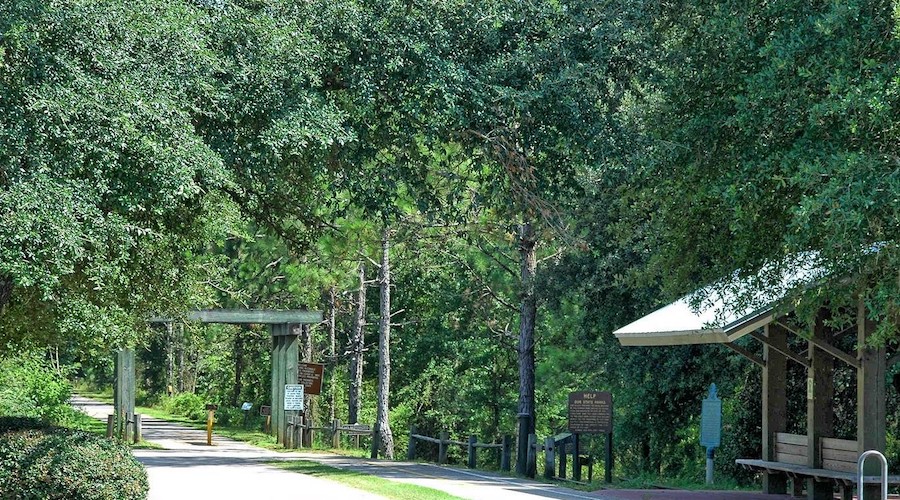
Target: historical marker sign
x=590, y=412
x=310, y=375
x=711, y=420
x=293, y=397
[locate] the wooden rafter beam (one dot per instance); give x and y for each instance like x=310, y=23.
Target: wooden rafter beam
x=787, y=352
x=848, y=358
x=746, y=354
x=834, y=351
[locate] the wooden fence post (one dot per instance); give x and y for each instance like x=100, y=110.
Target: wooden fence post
x=472, y=440
x=505, y=453
x=138, y=428
x=563, y=460
x=335, y=434
x=411, y=448
x=442, y=447
x=549, y=457
x=531, y=457
x=110, y=425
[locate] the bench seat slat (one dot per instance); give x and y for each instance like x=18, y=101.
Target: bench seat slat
x=791, y=459
x=839, y=444
x=783, y=437
x=818, y=474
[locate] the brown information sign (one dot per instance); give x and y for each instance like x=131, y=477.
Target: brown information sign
x=310, y=375
x=590, y=412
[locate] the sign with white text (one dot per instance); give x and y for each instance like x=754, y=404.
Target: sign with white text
x=293, y=397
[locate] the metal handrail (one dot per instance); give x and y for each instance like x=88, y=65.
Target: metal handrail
x=884, y=472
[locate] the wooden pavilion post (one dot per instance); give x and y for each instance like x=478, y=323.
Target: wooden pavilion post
x=285, y=354
x=774, y=402
x=819, y=406
x=870, y=398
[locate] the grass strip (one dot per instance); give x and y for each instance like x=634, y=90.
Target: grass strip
x=366, y=482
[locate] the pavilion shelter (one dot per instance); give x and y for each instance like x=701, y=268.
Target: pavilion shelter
x=724, y=317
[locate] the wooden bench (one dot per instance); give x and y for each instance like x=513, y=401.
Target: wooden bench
x=839, y=458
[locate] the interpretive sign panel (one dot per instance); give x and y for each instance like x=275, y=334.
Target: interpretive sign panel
x=310, y=375
x=711, y=420
x=590, y=412
x=293, y=397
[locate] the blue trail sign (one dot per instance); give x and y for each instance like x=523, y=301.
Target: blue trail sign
x=711, y=420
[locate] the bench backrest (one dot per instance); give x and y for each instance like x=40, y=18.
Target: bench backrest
x=837, y=454
x=791, y=448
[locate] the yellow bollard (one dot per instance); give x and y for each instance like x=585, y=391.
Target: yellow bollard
x=210, y=417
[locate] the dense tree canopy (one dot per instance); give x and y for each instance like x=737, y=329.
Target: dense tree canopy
x=159, y=156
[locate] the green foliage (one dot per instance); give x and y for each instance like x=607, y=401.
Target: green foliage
x=186, y=404
x=49, y=462
x=30, y=387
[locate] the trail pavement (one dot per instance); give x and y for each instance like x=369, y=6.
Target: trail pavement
x=189, y=469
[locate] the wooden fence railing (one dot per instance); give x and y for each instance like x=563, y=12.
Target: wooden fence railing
x=556, y=451
x=472, y=445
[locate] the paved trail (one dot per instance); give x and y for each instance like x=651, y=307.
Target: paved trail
x=189, y=469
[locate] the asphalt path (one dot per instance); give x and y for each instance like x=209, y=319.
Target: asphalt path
x=187, y=468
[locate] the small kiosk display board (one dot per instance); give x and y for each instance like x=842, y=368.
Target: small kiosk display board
x=590, y=412
x=310, y=376
x=293, y=397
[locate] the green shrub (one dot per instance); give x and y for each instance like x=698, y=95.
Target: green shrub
x=186, y=404
x=30, y=387
x=38, y=461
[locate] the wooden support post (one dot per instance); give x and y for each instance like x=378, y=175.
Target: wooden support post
x=138, y=428
x=110, y=425
x=376, y=440
x=471, y=462
x=411, y=447
x=123, y=393
x=549, y=457
x=531, y=457
x=608, y=461
x=819, y=406
x=277, y=398
x=563, y=461
x=870, y=397
x=774, y=402
x=506, y=453
x=576, y=458
x=442, y=447
x=336, y=434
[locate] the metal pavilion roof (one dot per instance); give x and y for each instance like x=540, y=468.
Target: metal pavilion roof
x=729, y=310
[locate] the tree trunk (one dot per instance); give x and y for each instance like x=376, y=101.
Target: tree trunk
x=332, y=351
x=382, y=418
x=238, y=365
x=181, y=368
x=357, y=346
x=306, y=338
x=527, y=318
x=170, y=359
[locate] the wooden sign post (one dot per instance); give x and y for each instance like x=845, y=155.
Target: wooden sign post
x=590, y=412
x=711, y=429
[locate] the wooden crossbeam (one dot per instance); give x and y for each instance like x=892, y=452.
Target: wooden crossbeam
x=850, y=359
x=834, y=351
x=746, y=354
x=251, y=317
x=787, y=352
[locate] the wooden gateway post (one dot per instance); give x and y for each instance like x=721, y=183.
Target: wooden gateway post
x=823, y=462
x=285, y=349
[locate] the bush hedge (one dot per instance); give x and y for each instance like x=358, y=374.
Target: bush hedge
x=44, y=462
